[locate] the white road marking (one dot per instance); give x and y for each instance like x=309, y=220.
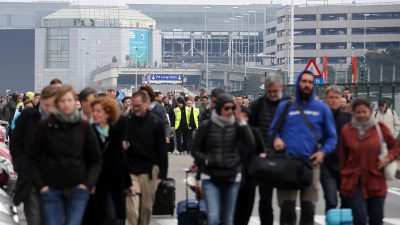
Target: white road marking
x=391, y=191
x=255, y=220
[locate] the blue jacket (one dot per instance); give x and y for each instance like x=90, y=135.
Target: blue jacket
x=297, y=136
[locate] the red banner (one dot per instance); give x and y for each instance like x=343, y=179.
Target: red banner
x=325, y=60
x=354, y=64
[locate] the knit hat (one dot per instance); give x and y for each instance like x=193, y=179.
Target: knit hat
x=222, y=100
x=29, y=94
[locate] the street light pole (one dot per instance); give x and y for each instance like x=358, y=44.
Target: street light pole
x=255, y=36
x=248, y=35
x=365, y=34
x=136, y=69
x=206, y=48
x=291, y=71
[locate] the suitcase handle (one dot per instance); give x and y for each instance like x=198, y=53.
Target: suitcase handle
x=187, y=171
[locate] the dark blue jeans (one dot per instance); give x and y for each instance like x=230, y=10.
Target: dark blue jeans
x=221, y=201
x=366, y=210
x=330, y=182
x=64, y=207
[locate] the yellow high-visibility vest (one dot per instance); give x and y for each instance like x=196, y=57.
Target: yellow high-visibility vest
x=178, y=116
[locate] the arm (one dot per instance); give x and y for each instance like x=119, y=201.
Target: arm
x=329, y=132
x=343, y=151
x=93, y=158
x=36, y=154
x=162, y=152
x=392, y=145
x=17, y=144
x=246, y=136
x=279, y=111
x=396, y=124
x=253, y=108
x=200, y=157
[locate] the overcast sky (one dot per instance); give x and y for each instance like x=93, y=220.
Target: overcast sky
x=202, y=2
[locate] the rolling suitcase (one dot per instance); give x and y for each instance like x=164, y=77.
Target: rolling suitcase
x=165, y=198
x=191, y=212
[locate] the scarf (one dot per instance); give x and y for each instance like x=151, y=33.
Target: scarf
x=222, y=121
x=103, y=131
x=74, y=117
x=362, y=127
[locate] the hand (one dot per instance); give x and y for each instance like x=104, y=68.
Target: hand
x=238, y=114
x=44, y=189
x=279, y=145
x=383, y=163
x=125, y=145
x=317, y=158
x=83, y=187
x=172, y=129
x=132, y=191
x=193, y=168
x=92, y=191
x=159, y=181
x=167, y=140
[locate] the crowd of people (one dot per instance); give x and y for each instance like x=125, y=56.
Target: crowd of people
x=88, y=158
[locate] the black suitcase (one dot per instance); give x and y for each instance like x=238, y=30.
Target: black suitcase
x=165, y=198
x=193, y=211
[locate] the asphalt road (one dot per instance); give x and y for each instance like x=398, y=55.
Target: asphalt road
x=177, y=163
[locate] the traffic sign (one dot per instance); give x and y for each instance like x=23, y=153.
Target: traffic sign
x=166, y=78
x=312, y=66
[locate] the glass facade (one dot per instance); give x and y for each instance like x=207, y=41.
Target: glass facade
x=57, y=48
x=333, y=31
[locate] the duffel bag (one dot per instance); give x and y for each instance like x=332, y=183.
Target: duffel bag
x=282, y=171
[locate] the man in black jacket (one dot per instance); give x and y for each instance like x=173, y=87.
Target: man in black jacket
x=330, y=176
x=23, y=136
x=146, y=152
x=262, y=112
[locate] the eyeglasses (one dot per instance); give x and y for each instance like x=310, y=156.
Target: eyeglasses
x=229, y=107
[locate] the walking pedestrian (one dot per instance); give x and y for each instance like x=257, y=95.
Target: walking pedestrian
x=262, y=112
x=66, y=161
x=23, y=139
x=362, y=179
x=208, y=111
x=114, y=178
x=388, y=116
x=193, y=114
x=306, y=120
x=86, y=98
x=146, y=152
x=330, y=169
x=180, y=121
x=247, y=191
x=216, y=153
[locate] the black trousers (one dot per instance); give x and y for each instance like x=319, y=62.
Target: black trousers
x=265, y=206
x=99, y=205
x=182, y=138
x=244, y=204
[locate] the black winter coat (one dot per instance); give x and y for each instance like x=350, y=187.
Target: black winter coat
x=216, y=149
x=148, y=147
x=20, y=145
x=65, y=155
x=114, y=168
x=262, y=112
x=332, y=159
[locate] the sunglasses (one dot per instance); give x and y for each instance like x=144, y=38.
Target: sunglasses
x=230, y=107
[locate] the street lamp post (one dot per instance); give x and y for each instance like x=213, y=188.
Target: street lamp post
x=241, y=40
x=136, y=69
x=291, y=71
x=206, y=47
x=365, y=49
x=255, y=36
x=248, y=35
x=234, y=28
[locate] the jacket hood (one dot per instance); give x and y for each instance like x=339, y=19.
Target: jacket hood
x=298, y=98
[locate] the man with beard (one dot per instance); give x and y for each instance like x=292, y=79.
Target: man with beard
x=295, y=135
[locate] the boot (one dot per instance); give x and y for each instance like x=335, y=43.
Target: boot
x=288, y=213
x=307, y=213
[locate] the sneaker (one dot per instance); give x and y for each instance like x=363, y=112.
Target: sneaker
x=176, y=152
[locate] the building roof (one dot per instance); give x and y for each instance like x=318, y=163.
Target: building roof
x=98, y=17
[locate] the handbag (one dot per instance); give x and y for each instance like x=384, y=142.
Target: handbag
x=391, y=168
x=280, y=169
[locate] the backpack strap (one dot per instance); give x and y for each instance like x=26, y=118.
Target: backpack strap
x=309, y=125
